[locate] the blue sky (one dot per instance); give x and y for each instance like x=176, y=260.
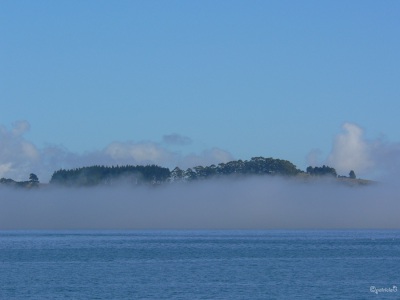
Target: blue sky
x=227, y=79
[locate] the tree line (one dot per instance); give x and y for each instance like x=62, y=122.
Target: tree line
x=327, y=171
x=105, y=175
x=152, y=174
x=155, y=175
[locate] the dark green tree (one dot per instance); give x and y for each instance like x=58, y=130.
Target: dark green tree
x=352, y=174
x=33, y=179
x=321, y=171
x=177, y=174
x=190, y=174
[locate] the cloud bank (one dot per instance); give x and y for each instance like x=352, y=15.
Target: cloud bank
x=20, y=157
x=252, y=203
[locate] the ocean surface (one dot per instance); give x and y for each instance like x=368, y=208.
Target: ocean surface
x=200, y=264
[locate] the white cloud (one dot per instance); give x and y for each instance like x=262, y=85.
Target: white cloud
x=375, y=158
x=138, y=153
x=154, y=153
x=29, y=150
x=207, y=157
x=17, y=156
x=351, y=151
x=20, y=157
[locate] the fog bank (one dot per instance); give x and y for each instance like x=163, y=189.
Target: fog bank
x=253, y=203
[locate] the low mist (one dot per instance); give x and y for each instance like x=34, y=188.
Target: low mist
x=252, y=203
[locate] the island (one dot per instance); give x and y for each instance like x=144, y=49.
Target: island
x=156, y=175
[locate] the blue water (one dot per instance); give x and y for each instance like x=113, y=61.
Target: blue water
x=199, y=264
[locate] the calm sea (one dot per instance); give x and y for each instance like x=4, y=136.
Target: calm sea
x=200, y=265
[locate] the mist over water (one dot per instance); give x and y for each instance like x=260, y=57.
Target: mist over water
x=252, y=203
